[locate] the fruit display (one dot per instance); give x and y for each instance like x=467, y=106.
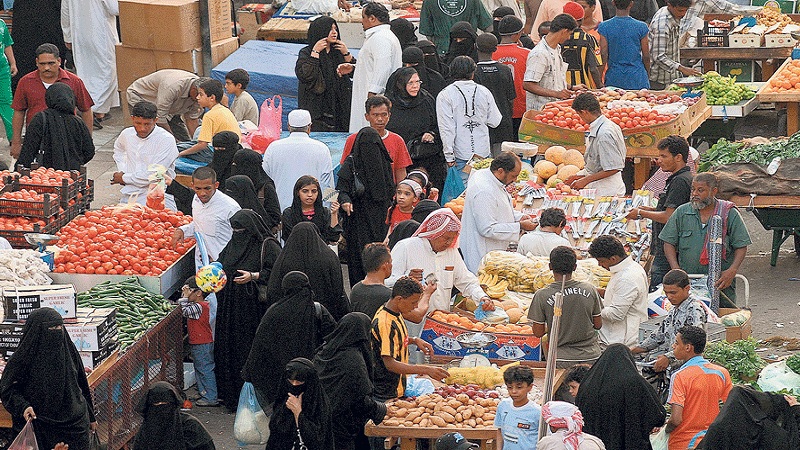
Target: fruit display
x=474, y=378
x=525, y=274
x=557, y=166
x=724, y=90
x=46, y=177
x=138, y=310
x=121, y=241
x=435, y=410
x=493, y=285
x=786, y=79
x=757, y=151
x=482, y=164
x=456, y=205
x=769, y=16
x=470, y=324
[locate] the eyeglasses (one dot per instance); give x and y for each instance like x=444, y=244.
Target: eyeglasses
x=412, y=83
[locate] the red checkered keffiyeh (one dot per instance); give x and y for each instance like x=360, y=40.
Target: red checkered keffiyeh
x=438, y=223
x=567, y=417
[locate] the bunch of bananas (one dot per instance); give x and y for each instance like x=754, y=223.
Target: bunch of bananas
x=494, y=286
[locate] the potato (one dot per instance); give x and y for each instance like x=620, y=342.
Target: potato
x=438, y=421
x=401, y=412
x=471, y=423
x=391, y=422
x=479, y=410
x=463, y=398
x=449, y=418
x=454, y=403
x=404, y=404
x=417, y=420
x=449, y=410
x=438, y=407
x=461, y=408
x=407, y=423
x=478, y=421
x=466, y=413
x=424, y=423
x=413, y=415
x=488, y=418
x=425, y=415
x=459, y=417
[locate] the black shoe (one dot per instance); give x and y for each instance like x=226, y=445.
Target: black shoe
x=96, y=124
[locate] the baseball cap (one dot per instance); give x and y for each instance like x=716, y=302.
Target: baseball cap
x=510, y=25
x=299, y=118
x=574, y=9
x=454, y=441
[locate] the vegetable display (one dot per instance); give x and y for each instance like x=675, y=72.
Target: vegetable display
x=724, y=90
x=740, y=358
x=23, y=268
x=469, y=324
x=434, y=410
x=138, y=310
x=121, y=241
x=756, y=151
x=793, y=362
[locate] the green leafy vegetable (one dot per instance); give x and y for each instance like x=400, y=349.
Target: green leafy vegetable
x=726, y=152
x=793, y=362
x=740, y=358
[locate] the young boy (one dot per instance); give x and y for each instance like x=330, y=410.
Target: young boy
x=201, y=340
x=574, y=378
x=517, y=418
x=542, y=241
x=370, y=294
x=580, y=52
x=244, y=107
x=217, y=118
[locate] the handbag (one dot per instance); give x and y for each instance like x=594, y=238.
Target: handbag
x=418, y=149
x=263, y=288
x=358, y=185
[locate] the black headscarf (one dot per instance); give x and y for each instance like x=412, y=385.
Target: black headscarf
x=402, y=230
x=46, y=373
x=166, y=426
x=306, y=252
x=226, y=144
x=248, y=163
x=432, y=58
x=329, y=60
x=751, y=419
x=405, y=32
x=424, y=208
x=64, y=137
x=398, y=92
x=243, y=251
x=241, y=189
x=315, y=420
x=464, y=48
x=287, y=331
x=619, y=406
x=373, y=165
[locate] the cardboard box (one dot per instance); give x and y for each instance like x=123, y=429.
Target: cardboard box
x=171, y=25
x=743, y=331
x=10, y=337
x=19, y=302
x=95, y=332
x=93, y=359
x=250, y=17
x=779, y=40
x=134, y=63
x=745, y=40
x=743, y=70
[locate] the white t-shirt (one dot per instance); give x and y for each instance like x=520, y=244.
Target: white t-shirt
x=540, y=243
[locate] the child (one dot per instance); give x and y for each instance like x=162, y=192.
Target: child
x=542, y=241
x=218, y=118
x=628, y=63
x=574, y=378
x=307, y=207
x=544, y=28
x=201, y=340
x=579, y=51
x=244, y=107
x=517, y=418
x=406, y=197
x=371, y=293
x=421, y=176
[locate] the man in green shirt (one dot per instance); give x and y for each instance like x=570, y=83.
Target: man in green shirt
x=684, y=235
x=438, y=16
x=8, y=69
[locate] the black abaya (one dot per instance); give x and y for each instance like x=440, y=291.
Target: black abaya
x=462, y=30
x=165, y=426
x=239, y=311
x=289, y=329
x=46, y=373
x=248, y=163
x=36, y=22
x=226, y=144
x=345, y=366
x=619, y=406
x=241, y=189
x=305, y=251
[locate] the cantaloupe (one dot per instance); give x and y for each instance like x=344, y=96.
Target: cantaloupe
x=555, y=154
x=514, y=314
x=567, y=171
x=553, y=181
x=546, y=169
x=575, y=158
x=508, y=304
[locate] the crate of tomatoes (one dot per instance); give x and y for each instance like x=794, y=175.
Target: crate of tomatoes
x=68, y=184
x=28, y=203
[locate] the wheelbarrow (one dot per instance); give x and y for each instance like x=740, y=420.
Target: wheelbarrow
x=779, y=214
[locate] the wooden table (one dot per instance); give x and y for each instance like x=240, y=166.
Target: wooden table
x=294, y=30
x=408, y=435
x=789, y=100
x=771, y=57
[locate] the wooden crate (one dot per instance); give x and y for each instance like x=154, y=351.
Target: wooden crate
x=768, y=95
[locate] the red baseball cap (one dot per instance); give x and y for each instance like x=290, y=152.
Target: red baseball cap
x=574, y=9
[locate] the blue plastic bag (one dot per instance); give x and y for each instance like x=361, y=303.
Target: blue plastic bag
x=418, y=386
x=251, y=425
x=453, y=185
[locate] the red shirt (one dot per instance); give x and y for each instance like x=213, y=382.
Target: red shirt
x=200, y=329
x=29, y=95
x=515, y=57
x=396, y=217
x=395, y=145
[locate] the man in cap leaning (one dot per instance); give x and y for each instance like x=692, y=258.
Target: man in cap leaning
x=510, y=53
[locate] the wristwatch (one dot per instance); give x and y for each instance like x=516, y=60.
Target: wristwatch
x=639, y=214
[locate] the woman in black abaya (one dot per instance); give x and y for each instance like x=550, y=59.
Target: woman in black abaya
x=165, y=426
x=345, y=366
x=226, y=144
x=319, y=215
x=44, y=381
x=61, y=135
x=248, y=163
x=241, y=189
x=462, y=42
x=306, y=252
x=247, y=261
x=619, y=406
x=301, y=415
x=291, y=328
x=365, y=212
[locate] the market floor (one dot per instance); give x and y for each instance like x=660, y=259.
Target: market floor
x=776, y=311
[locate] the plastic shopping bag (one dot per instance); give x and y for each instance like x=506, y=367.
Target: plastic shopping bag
x=418, y=386
x=453, y=185
x=251, y=425
x=778, y=376
x=659, y=440
x=26, y=439
x=269, y=125
x=158, y=186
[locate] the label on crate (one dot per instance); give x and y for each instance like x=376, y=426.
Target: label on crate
x=442, y=338
x=20, y=302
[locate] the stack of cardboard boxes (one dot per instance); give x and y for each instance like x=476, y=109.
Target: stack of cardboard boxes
x=166, y=34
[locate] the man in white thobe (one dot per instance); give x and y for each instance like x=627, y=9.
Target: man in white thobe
x=290, y=158
x=378, y=58
x=90, y=30
x=489, y=220
x=625, y=297
x=211, y=214
x=137, y=148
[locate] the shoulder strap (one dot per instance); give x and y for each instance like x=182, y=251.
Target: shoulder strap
x=318, y=312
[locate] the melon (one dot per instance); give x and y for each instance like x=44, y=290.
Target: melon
x=553, y=181
x=567, y=171
x=575, y=158
x=555, y=154
x=545, y=169
x=514, y=314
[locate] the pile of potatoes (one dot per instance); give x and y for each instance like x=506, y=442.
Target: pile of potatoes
x=433, y=410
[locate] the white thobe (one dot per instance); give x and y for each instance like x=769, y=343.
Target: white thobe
x=134, y=155
x=465, y=110
x=290, y=158
x=625, y=304
x=489, y=221
x=379, y=57
x=91, y=27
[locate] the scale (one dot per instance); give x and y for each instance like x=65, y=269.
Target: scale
x=41, y=241
x=689, y=83
x=477, y=345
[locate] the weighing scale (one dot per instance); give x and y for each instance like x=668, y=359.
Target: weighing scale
x=689, y=83
x=41, y=241
x=477, y=344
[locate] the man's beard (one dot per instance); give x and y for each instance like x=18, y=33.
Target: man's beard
x=702, y=204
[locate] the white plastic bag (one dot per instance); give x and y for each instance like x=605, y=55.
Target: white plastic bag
x=315, y=6
x=251, y=425
x=777, y=376
x=659, y=440
x=26, y=439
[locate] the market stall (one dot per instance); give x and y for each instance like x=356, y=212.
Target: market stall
x=781, y=90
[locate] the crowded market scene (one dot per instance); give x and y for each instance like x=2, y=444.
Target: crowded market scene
x=400, y=224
